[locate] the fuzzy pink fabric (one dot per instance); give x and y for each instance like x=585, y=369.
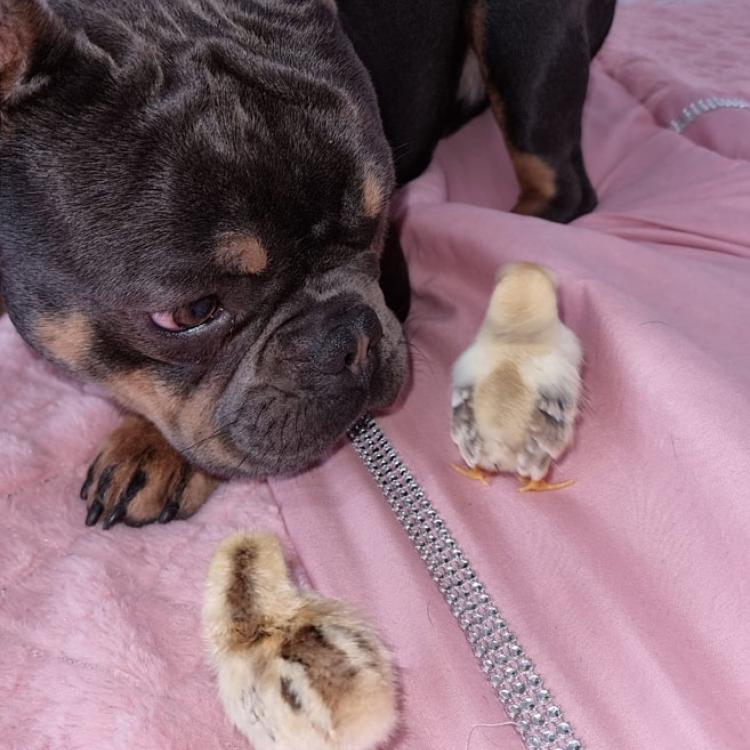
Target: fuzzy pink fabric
x=100, y=632
x=629, y=590
x=670, y=54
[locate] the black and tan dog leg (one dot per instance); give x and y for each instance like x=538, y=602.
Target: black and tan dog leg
x=139, y=478
x=296, y=671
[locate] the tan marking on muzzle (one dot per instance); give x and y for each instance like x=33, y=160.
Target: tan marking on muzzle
x=360, y=356
x=188, y=420
x=373, y=195
x=144, y=393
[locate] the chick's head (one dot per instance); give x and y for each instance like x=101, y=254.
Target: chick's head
x=523, y=303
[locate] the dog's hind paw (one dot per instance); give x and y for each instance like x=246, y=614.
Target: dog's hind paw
x=139, y=478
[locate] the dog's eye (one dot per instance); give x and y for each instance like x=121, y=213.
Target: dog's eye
x=188, y=316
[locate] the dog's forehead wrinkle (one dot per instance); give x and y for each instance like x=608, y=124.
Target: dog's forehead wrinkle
x=322, y=165
x=164, y=21
x=353, y=275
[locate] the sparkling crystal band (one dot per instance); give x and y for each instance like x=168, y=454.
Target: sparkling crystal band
x=528, y=703
x=697, y=108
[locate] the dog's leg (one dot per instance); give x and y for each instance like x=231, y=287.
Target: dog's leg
x=139, y=478
x=534, y=57
x=394, y=276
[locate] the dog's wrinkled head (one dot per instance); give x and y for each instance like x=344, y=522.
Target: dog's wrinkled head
x=193, y=201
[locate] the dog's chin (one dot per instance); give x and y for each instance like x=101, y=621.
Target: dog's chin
x=291, y=462
x=279, y=457
x=298, y=431
x=309, y=448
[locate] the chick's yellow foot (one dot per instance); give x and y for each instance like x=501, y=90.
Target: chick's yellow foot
x=475, y=473
x=542, y=485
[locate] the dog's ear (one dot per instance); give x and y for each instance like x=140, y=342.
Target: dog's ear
x=31, y=37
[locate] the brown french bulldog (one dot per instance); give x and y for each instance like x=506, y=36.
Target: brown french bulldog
x=194, y=206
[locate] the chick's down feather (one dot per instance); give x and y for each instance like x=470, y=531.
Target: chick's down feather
x=516, y=388
x=296, y=671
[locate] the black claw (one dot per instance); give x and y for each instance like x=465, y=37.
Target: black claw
x=172, y=508
x=114, y=517
x=87, y=483
x=86, y=486
x=169, y=512
x=94, y=512
x=105, y=479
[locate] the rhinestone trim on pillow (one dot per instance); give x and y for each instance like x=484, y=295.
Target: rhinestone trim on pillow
x=510, y=672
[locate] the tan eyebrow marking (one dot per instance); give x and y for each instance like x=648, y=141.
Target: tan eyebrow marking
x=241, y=253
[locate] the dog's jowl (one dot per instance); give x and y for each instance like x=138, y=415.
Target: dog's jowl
x=194, y=206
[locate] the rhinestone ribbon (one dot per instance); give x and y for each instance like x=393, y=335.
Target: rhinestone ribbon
x=711, y=103
x=515, y=681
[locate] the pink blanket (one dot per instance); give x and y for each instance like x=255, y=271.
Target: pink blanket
x=629, y=591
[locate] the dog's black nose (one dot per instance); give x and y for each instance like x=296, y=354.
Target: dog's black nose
x=349, y=342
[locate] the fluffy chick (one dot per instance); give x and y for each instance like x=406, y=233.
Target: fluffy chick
x=296, y=671
x=516, y=388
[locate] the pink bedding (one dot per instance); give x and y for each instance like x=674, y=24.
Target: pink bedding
x=629, y=591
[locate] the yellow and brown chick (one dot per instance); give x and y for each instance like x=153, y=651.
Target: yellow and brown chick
x=296, y=671
x=516, y=388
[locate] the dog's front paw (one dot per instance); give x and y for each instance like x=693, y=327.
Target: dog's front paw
x=139, y=478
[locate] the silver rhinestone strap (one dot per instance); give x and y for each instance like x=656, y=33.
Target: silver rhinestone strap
x=536, y=716
x=699, y=107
